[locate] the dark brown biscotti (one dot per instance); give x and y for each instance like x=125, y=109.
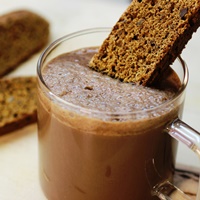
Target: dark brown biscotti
x=17, y=103
x=148, y=37
x=22, y=33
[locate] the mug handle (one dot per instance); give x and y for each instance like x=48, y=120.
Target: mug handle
x=191, y=138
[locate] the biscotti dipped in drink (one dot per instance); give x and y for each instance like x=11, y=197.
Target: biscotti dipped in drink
x=97, y=134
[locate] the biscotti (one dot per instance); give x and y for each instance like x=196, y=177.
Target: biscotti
x=17, y=103
x=22, y=33
x=148, y=37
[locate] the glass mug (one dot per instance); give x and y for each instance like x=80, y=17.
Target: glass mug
x=91, y=155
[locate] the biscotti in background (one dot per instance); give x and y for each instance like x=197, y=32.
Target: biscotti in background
x=22, y=33
x=148, y=37
x=18, y=106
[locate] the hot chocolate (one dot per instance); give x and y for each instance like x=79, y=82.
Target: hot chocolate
x=98, y=134
x=69, y=77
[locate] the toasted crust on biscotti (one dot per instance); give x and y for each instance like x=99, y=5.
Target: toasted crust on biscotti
x=22, y=33
x=17, y=103
x=148, y=37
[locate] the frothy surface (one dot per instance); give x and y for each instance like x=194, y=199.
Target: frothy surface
x=69, y=77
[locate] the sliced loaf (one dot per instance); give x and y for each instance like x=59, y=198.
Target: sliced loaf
x=17, y=103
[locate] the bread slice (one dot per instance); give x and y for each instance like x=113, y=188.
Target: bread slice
x=22, y=33
x=148, y=37
x=17, y=103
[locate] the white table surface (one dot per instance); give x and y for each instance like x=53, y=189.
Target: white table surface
x=18, y=151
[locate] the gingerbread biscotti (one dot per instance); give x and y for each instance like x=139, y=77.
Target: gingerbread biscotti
x=22, y=33
x=17, y=103
x=148, y=37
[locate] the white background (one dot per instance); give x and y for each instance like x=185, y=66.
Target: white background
x=18, y=151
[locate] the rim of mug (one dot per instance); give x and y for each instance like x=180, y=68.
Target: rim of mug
x=54, y=44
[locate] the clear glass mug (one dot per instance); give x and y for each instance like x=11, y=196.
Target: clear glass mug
x=91, y=155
